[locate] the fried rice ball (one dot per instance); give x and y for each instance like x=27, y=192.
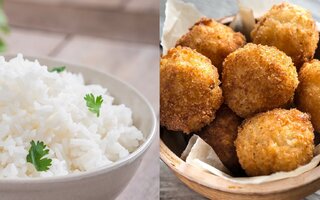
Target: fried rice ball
x=212, y=39
x=258, y=78
x=189, y=90
x=277, y=140
x=221, y=134
x=291, y=29
x=308, y=92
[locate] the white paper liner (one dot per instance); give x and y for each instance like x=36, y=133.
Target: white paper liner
x=244, y=21
x=180, y=16
x=199, y=154
x=198, y=148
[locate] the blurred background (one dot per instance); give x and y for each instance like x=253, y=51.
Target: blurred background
x=170, y=186
x=120, y=37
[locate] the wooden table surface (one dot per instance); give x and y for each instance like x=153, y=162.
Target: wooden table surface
x=118, y=52
x=170, y=186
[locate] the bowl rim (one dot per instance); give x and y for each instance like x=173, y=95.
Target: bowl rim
x=206, y=179
x=99, y=170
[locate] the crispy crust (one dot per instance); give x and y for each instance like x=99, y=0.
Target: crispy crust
x=189, y=90
x=278, y=140
x=308, y=92
x=221, y=134
x=213, y=40
x=291, y=29
x=258, y=78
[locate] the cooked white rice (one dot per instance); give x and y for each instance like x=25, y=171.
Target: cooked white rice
x=43, y=106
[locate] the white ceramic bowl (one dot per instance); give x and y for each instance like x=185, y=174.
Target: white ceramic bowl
x=102, y=183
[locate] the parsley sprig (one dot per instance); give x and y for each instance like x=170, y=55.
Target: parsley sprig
x=36, y=155
x=94, y=104
x=4, y=27
x=58, y=69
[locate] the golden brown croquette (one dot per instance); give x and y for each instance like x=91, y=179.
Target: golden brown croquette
x=189, y=90
x=291, y=29
x=212, y=39
x=258, y=78
x=277, y=140
x=308, y=92
x=221, y=134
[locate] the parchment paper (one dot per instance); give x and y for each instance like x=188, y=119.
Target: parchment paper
x=180, y=17
x=201, y=155
x=198, y=148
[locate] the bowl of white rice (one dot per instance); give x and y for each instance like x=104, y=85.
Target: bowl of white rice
x=67, y=131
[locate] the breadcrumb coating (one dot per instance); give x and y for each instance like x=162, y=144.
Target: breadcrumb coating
x=277, y=140
x=258, y=78
x=221, y=134
x=212, y=39
x=189, y=90
x=308, y=92
x=291, y=29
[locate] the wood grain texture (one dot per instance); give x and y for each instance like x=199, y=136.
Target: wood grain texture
x=172, y=188
x=126, y=26
x=108, y=5
x=142, y=6
x=214, y=187
x=168, y=178
x=32, y=42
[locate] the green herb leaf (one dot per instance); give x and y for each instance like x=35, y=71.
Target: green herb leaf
x=94, y=104
x=36, y=155
x=3, y=46
x=58, y=69
x=4, y=27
